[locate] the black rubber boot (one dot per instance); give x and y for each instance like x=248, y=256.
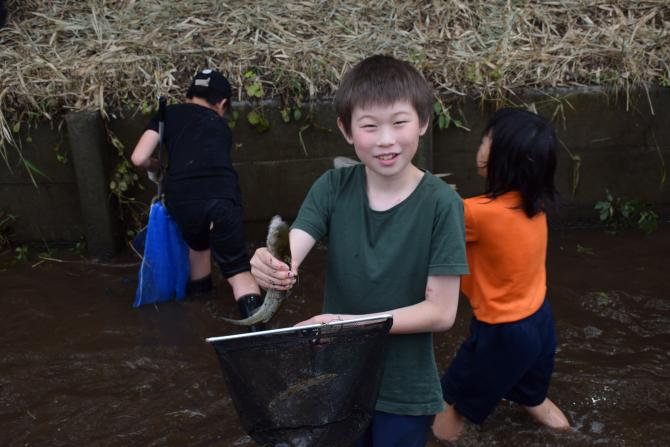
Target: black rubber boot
x=199, y=288
x=248, y=304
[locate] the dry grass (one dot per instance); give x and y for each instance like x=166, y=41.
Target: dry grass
x=64, y=55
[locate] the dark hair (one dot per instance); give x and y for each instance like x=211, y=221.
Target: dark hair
x=211, y=96
x=382, y=80
x=522, y=158
x=210, y=85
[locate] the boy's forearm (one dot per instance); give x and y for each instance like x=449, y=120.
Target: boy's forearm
x=141, y=156
x=301, y=243
x=436, y=313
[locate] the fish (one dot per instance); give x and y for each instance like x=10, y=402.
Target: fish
x=277, y=243
x=296, y=393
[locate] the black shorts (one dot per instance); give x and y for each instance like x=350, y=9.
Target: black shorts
x=512, y=361
x=215, y=224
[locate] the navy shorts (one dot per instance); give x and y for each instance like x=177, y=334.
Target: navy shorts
x=512, y=361
x=215, y=224
x=396, y=430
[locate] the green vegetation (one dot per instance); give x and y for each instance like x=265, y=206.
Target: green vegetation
x=620, y=214
x=6, y=221
x=443, y=118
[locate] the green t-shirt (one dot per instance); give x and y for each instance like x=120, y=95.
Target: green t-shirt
x=381, y=260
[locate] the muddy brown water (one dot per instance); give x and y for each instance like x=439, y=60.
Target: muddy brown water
x=81, y=367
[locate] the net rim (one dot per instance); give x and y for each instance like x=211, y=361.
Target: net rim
x=380, y=317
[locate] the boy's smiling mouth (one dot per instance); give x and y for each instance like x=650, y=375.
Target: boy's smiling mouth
x=386, y=157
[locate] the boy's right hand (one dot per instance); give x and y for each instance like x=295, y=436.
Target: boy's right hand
x=270, y=272
x=154, y=176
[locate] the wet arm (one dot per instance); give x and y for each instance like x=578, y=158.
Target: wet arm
x=301, y=244
x=141, y=156
x=435, y=313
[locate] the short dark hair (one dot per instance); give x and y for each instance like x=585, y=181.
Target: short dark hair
x=211, y=86
x=522, y=158
x=211, y=96
x=382, y=80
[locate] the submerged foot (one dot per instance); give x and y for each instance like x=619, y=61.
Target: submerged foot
x=448, y=425
x=548, y=414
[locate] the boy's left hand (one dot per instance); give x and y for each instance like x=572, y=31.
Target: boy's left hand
x=325, y=318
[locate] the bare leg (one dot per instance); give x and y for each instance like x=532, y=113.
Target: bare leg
x=547, y=413
x=201, y=264
x=243, y=284
x=448, y=425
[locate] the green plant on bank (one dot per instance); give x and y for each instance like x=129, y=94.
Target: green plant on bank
x=124, y=179
x=21, y=253
x=6, y=221
x=291, y=110
x=443, y=118
x=79, y=247
x=232, y=118
x=61, y=155
x=16, y=142
x=620, y=214
x=254, y=90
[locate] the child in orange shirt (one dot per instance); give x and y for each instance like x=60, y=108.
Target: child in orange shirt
x=509, y=353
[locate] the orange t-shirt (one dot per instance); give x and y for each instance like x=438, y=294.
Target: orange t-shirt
x=507, y=254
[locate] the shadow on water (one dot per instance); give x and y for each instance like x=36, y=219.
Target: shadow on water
x=80, y=366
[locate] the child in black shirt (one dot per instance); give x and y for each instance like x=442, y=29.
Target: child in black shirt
x=201, y=187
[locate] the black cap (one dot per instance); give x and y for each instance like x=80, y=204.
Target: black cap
x=212, y=80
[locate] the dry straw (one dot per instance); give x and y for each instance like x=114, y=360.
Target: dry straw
x=63, y=55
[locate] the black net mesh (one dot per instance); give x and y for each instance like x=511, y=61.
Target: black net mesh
x=306, y=387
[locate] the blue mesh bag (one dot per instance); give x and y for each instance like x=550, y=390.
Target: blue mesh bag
x=165, y=267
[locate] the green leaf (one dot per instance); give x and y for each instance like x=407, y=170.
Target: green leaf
x=253, y=118
x=297, y=114
x=117, y=143
x=263, y=124
x=255, y=90
x=285, y=114
x=32, y=168
x=442, y=121
x=17, y=127
x=437, y=107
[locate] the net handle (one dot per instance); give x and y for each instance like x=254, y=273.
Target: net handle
x=300, y=328
x=162, y=102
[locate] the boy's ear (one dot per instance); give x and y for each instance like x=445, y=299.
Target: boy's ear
x=222, y=106
x=345, y=134
x=424, y=128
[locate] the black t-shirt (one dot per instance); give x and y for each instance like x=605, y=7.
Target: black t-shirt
x=198, y=143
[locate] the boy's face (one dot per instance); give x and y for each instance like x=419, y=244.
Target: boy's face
x=385, y=137
x=483, y=152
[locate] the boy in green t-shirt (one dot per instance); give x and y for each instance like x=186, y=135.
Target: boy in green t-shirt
x=396, y=241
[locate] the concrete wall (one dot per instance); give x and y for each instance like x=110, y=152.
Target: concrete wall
x=620, y=145
x=49, y=211
x=609, y=142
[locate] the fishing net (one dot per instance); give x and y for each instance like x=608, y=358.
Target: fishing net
x=308, y=386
